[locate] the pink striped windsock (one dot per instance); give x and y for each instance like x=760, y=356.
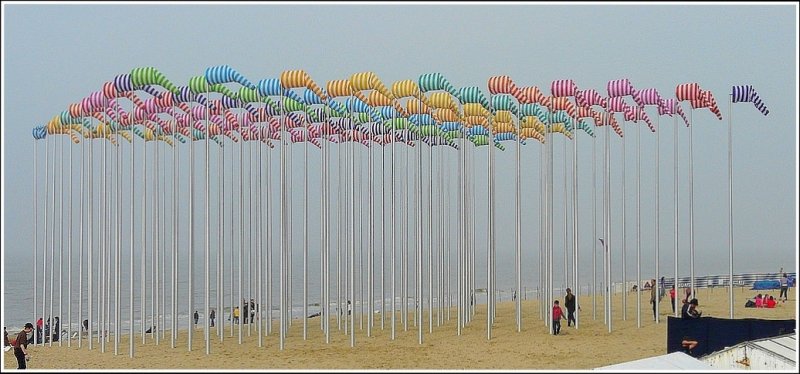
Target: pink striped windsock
x=563, y=88
x=616, y=105
x=620, y=87
x=687, y=91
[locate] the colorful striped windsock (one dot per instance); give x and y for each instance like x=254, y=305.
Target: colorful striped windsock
x=647, y=96
x=563, y=88
x=620, y=87
x=687, y=91
x=616, y=105
x=589, y=98
x=747, y=93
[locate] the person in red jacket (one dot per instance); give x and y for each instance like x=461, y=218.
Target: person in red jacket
x=558, y=314
x=672, y=297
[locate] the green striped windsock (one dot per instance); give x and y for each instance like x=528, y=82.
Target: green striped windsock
x=150, y=76
x=436, y=82
x=586, y=127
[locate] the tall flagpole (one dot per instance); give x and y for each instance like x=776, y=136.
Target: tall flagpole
x=80, y=246
x=118, y=265
x=36, y=234
x=131, y=259
x=638, y=227
x=305, y=236
x=207, y=254
x=730, y=205
x=594, y=228
x=658, y=200
x=176, y=230
x=518, y=257
x=575, y=241
x=624, y=237
x=607, y=192
x=69, y=255
x=675, y=199
x=691, y=206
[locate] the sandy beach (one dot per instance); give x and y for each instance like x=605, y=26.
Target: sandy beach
x=588, y=347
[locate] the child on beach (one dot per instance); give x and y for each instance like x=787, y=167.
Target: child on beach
x=558, y=314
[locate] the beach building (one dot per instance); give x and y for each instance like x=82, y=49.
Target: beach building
x=776, y=353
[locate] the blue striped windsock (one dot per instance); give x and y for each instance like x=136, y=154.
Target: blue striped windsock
x=39, y=132
x=226, y=74
x=748, y=93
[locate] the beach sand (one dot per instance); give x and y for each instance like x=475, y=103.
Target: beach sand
x=533, y=348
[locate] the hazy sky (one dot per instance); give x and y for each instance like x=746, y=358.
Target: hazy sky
x=55, y=54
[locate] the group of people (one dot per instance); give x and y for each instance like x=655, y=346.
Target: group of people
x=252, y=307
x=45, y=327
x=212, y=316
x=558, y=313
x=765, y=301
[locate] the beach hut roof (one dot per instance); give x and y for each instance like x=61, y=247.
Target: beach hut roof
x=777, y=352
x=668, y=362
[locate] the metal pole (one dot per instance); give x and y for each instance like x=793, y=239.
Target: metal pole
x=730, y=205
x=675, y=189
x=691, y=206
x=658, y=204
x=624, y=237
x=594, y=227
x=207, y=255
x=575, y=226
x=638, y=227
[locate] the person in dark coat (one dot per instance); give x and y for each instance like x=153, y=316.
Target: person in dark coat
x=21, y=346
x=569, y=302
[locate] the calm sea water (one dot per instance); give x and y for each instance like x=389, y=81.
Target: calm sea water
x=18, y=291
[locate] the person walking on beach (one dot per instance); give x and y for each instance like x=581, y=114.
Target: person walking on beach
x=653, y=300
x=252, y=310
x=569, y=302
x=558, y=314
x=784, y=287
x=196, y=317
x=211, y=317
x=21, y=346
x=236, y=315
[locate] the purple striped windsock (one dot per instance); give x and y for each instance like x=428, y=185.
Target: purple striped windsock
x=563, y=87
x=647, y=96
x=670, y=107
x=747, y=93
x=620, y=87
x=636, y=114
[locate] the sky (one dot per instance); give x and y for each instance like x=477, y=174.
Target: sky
x=55, y=54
